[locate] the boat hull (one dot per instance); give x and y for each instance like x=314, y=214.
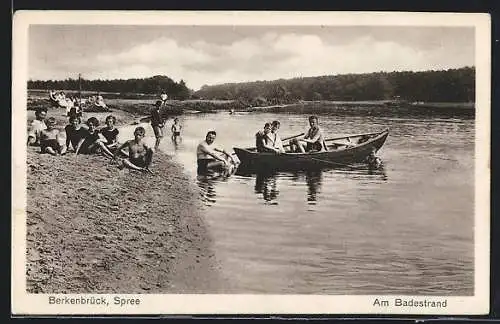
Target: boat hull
x=334, y=157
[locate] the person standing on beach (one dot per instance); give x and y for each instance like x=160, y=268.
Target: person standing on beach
x=163, y=97
x=140, y=155
x=157, y=122
x=36, y=126
x=208, y=156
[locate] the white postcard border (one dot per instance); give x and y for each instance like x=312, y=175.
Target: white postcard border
x=24, y=303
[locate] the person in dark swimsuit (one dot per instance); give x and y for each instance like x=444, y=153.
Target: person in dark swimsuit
x=74, y=132
x=110, y=133
x=157, y=123
x=92, y=140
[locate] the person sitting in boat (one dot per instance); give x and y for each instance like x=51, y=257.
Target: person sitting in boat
x=274, y=137
x=312, y=141
x=263, y=142
x=208, y=156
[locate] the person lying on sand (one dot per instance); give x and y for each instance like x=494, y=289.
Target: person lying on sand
x=92, y=141
x=74, y=132
x=50, y=141
x=140, y=155
x=208, y=155
x=36, y=126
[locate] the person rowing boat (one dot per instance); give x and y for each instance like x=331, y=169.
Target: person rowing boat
x=313, y=140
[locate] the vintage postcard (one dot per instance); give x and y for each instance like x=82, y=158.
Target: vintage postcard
x=250, y=163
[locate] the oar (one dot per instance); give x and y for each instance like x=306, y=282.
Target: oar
x=332, y=163
x=290, y=137
x=325, y=161
x=356, y=135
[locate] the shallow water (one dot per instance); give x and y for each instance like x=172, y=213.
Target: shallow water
x=405, y=229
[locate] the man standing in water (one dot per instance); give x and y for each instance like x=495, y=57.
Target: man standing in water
x=208, y=156
x=157, y=123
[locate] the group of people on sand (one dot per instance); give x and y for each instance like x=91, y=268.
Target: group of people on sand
x=89, y=139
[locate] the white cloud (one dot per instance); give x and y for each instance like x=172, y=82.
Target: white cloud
x=271, y=56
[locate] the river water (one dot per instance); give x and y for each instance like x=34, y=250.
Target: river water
x=405, y=229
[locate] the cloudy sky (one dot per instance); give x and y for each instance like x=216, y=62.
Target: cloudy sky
x=219, y=54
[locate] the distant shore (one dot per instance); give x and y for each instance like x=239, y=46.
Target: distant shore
x=93, y=228
x=141, y=103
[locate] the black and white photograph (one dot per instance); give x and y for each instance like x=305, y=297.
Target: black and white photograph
x=250, y=162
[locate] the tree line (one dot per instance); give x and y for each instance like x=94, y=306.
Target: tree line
x=153, y=85
x=453, y=85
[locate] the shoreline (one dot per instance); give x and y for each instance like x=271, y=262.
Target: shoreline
x=93, y=228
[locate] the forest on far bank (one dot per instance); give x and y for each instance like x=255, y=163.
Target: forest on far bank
x=453, y=85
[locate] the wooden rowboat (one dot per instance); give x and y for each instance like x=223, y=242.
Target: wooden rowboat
x=341, y=151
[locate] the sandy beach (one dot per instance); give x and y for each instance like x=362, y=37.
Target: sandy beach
x=92, y=227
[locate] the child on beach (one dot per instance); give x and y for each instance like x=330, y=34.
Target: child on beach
x=74, y=132
x=92, y=141
x=157, y=123
x=36, y=126
x=140, y=155
x=110, y=133
x=176, y=128
x=50, y=141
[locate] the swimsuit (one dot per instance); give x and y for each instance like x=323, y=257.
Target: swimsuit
x=109, y=135
x=74, y=135
x=88, y=146
x=53, y=143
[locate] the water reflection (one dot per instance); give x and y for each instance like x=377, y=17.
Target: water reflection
x=266, y=184
x=176, y=141
x=207, y=182
x=313, y=181
x=207, y=186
